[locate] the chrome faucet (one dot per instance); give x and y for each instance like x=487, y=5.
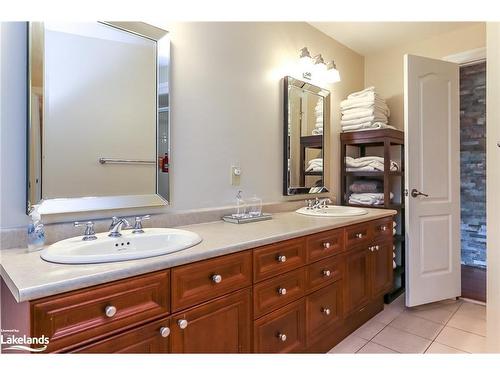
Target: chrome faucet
x=318, y=203
x=116, y=226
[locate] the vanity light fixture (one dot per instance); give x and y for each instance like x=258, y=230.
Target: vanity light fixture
x=332, y=74
x=315, y=67
x=319, y=64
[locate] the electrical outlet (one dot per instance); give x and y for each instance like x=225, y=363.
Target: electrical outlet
x=235, y=175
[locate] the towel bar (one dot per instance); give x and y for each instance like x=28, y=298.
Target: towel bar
x=125, y=161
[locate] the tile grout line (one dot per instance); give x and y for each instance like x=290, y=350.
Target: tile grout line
x=441, y=330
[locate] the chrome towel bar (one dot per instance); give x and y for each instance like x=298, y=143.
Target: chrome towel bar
x=125, y=161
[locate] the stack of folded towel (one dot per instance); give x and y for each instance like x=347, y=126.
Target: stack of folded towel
x=364, y=110
x=368, y=163
x=315, y=165
x=318, y=125
x=369, y=199
x=366, y=186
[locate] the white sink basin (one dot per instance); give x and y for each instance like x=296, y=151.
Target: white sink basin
x=153, y=242
x=333, y=211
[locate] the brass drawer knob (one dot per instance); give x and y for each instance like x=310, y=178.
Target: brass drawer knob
x=383, y=228
x=327, y=273
x=282, y=337
x=164, y=331
x=281, y=291
x=359, y=235
x=327, y=245
x=281, y=258
x=217, y=279
x=110, y=311
x=325, y=310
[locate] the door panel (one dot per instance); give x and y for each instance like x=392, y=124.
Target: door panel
x=357, y=280
x=381, y=268
x=219, y=326
x=432, y=164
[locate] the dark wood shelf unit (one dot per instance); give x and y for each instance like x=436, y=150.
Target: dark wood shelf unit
x=386, y=138
x=308, y=141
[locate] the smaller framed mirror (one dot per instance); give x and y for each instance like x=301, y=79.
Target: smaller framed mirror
x=306, y=131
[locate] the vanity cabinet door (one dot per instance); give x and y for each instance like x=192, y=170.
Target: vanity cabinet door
x=381, y=268
x=282, y=331
x=324, y=311
x=150, y=338
x=357, y=289
x=220, y=326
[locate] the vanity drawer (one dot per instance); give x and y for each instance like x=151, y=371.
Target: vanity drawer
x=87, y=315
x=202, y=281
x=278, y=291
x=146, y=339
x=282, y=331
x=278, y=258
x=324, y=272
x=357, y=235
x=382, y=228
x=324, y=311
x=324, y=244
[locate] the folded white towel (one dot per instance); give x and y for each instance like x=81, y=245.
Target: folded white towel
x=363, y=112
x=366, y=126
x=372, y=162
x=363, y=120
x=315, y=165
x=381, y=106
x=362, y=92
x=369, y=96
x=316, y=161
x=368, y=198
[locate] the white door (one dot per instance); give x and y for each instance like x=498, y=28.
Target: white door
x=432, y=167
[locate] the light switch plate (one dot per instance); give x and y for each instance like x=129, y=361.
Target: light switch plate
x=235, y=175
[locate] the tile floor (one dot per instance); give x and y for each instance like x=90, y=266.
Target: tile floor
x=450, y=326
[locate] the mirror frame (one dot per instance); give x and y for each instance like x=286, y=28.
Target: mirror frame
x=287, y=189
x=82, y=204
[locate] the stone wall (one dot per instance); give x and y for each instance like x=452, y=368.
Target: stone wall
x=473, y=163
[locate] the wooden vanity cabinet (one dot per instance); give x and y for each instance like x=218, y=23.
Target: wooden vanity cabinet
x=300, y=295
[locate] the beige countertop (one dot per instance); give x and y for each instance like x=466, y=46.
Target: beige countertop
x=29, y=277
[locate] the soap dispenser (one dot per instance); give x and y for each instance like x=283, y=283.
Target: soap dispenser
x=36, y=231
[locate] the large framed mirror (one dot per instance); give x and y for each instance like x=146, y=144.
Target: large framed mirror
x=98, y=116
x=306, y=131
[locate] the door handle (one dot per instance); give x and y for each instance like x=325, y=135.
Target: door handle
x=415, y=193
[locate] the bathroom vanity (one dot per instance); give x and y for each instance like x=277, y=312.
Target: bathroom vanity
x=292, y=284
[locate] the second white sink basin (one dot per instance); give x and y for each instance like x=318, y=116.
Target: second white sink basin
x=153, y=242
x=333, y=211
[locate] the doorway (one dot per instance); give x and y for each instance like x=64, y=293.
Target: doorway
x=473, y=179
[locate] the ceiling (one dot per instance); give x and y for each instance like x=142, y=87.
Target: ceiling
x=369, y=37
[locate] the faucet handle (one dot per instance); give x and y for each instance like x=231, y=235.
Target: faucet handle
x=114, y=221
x=138, y=223
x=89, y=234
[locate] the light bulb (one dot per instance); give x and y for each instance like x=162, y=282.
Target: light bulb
x=332, y=74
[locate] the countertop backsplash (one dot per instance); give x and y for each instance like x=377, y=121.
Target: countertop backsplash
x=17, y=237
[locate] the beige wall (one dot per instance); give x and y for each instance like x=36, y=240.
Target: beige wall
x=493, y=184
x=226, y=108
x=384, y=69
